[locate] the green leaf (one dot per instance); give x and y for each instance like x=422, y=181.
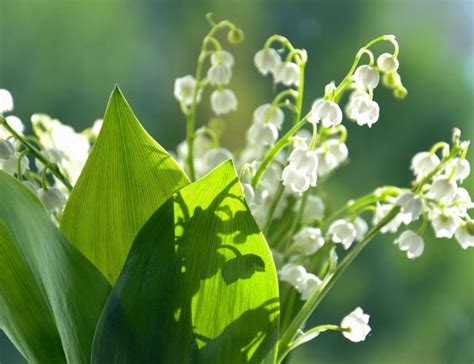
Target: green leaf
x=126, y=178
x=198, y=286
x=51, y=296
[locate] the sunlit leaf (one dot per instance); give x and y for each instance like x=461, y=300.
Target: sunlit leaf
x=51, y=296
x=126, y=178
x=199, y=285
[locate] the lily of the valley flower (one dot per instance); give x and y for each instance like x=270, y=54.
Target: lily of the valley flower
x=184, y=89
x=362, y=109
x=411, y=205
x=356, y=325
x=388, y=63
x=412, y=243
x=6, y=101
x=267, y=113
x=443, y=189
x=327, y=112
x=287, y=73
x=265, y=133
x=7, y=149
x=301, y=171
x=52, y=198
x=307, y=241
x=365, y=77
x=423, y=163
x=223, y=101
x=465, y=235
x=267, y=60
x=343, y=232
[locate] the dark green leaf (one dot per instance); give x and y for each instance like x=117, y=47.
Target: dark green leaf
x=50, y=295
x=198, y=286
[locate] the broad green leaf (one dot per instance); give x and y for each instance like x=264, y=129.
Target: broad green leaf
x=198, y=286
x=126, y=178
x=51, y=296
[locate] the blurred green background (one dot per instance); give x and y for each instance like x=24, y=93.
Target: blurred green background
x=64, y=57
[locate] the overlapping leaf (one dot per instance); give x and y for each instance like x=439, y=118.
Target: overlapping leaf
x=126, y=178
x=198, y=286
x=50, y=295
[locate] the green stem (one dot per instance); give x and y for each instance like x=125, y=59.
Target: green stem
x=273, y=152
x=315, y=330
x=37, y=154
x=309, y=307
x=273, y=207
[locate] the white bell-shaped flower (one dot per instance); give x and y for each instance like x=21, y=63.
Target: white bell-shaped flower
x=411, y=205
x=15, y=123
x=267, y=60
x=442, y=189
x=363, y=110
x=264, y=133
x=292, y=274
x=296, y=179
x=222, y=57
x=223, y=101
x=308, y=286
x=184, y=89
x=423, y=163
x=444, y=223
x=357, y=325
x=7, y=149
x=249, y=192
x=269, y=113
x=303, y=158
x=313, y=209
x=365, y=77
x=412, y=243
x=465, y=235
x=343, y=232
x=388, y=62
x=307, y=241
x=337, y=149
x=327, y=161
x=53, y=199
x=219, y=74
x=287, y=73
x=361, y=227
x=327, y=112
x=381, y=210
x=6, y=101
x=462, y=200
x=11, y=165
x=460, y=168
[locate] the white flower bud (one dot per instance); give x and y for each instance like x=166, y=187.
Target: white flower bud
x=337, y=149
x=11, y=165
x=296, y=179
x=6, y=101
x=264, y=133
x=223, y=101
x=303, y=158
x=219, y=74
x=222, y=57
x=366, y=77
x=361, y=227
x=363, y=110
x=287, y=73
x=327, y=161
x=292, y=274
x=445, y=224
x=53, y=199
x=308, y=285
x=462, y=200
x=184, y=89
x=387, y=62
x=7, y=149
x=442, y=190
x=268, y=113
x=412, y=243
x=328, y=112
x=423, y=163
x=307, y=241
x=411, y=205
x=267, y=60
x=343, y=232
x=358, y=324
x=463, y=169
x=465, y=235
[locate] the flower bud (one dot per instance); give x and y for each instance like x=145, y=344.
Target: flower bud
x=400, y=92
x=7, y=150
x=235, y=36
x=366, y=77
x=222, y=57
x=387, y=62
x=391, y=80
x=53, y=199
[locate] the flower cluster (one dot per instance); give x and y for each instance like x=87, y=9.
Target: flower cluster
x=33, y=159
